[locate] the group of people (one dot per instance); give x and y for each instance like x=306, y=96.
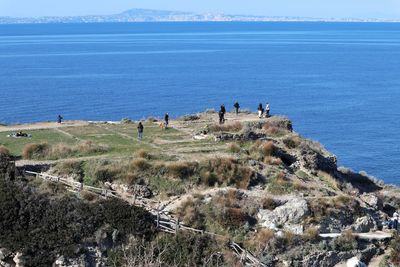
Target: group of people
x=394, y=221
x=261, y=112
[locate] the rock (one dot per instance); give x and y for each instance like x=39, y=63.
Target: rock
x=279, y=122
x=313, y=160
x=364, y=224
x=249, y=135
x=288, y=216
x=330, y=225
x=4, y=253
x=325, y=259
x=17, y=259
x=139, y=190
x=355, y=262
x=372, y=200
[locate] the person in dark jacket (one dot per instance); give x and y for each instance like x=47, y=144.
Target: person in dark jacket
x=166, y=120
x=236, y=106
x=260, y=110
x=222, y=112
x=59, y=119
x=140, y=129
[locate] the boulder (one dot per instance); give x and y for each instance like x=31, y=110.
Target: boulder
x=364, y=225
x=248, y=135
x=313, y=160
x=325, y=259
x=355, y=262
x=372, y=200
x=288, y=216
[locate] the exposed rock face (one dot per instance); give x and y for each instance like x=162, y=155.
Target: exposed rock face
x=364, y=225
x=289, y=216
x=326, y=259
x=139, y=190
x=314, y=160
x=250, y=135
x=7, y=167
x=279, y=122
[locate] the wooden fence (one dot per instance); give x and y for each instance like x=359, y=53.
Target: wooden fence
x=164, y=221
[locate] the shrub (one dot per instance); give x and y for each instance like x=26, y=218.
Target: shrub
x=262, y=239
x=35, y=151
x=228, y=127
x=395, y=251
x=273, y=161
x=346, y=241
x=234, y=148
x=311, y=234
x=269, y=203
x=60, y=151
x=267, y=149
x=141, y=153
x=190, y=213
x=139, y=165
x=292, y=141
x=4, y=151
x=180, y=169
x=69, y=168
x=226, y=171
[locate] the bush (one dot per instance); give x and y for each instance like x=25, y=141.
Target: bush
x=4, y=151
x=70, y=168
x=311, y=234
x=346, y=241
x=226, y=171
x=395, y=251
x=141, y=153
x=267, y=149
x=180, y=169
x=269, y=203
x=190, y=213
x=262, y=240
x=89, y=147
x=273, y=161
x=228, y=127
x=36, y=151
x=139, y=165
x=234, y=148
x=292, y=141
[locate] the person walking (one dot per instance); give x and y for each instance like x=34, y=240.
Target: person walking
x=267, y=109
x=260, y=110
x=236, y=106
x=140, y=129
x=59, y=119
x=166, y=120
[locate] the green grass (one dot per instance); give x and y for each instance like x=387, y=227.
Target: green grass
x=51, y=136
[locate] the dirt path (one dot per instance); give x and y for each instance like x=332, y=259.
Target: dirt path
x=42, y=125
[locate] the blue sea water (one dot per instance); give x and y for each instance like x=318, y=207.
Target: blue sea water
x=338, y=82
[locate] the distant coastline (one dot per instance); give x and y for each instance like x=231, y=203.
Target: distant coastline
x=147, y=15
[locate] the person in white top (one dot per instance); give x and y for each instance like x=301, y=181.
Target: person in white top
x=395, y=220
x=267, y=108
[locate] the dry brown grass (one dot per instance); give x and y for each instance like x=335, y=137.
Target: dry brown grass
x=329, y=180
x=311, y=234
x=262, y=239
x=139, y=165
x=36, y=151
x=267, y=149
x=269, y=203
x=180, y=169
x=4, y=151
x=141, y=153
x=234, y=148
x=227, y=171
x=269, y=160
x=228, y=127
x=292, y=141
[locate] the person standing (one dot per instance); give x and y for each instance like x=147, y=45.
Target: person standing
x=59, y=119
x=260, y=110
x=166, y=120
x=267, y=109
x=222, y=111
x=140, y=129
x=236, y=106
x=395, y=221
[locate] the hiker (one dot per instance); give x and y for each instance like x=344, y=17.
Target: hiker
x=166, y=120
x=260, y=110
x=59, y=119
x=267, y=109
x=236, y=106
x=222, y=112
x=221, y=117
x=395, y=220
x=140, y=130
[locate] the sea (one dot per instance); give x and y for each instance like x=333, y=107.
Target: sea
x=338, y=82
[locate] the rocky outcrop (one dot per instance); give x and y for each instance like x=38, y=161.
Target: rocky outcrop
x=136, y=189
x=247, y=136
x=364, y=225
x=372, y=200
x=355, y=262
x=314, y=160
x=326, y=259
x=288, y=216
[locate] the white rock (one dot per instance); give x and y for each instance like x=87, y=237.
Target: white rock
x=355, y=262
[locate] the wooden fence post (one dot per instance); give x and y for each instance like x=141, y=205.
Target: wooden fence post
x=158, y=219
x=177, y=226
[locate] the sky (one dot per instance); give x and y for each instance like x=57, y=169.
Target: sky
x=383, y=9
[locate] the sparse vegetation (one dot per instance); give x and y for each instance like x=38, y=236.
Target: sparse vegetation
x=227, y=127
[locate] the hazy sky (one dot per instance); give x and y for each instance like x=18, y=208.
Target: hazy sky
x=311, y=8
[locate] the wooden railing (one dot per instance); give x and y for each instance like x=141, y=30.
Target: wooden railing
x=163, y=220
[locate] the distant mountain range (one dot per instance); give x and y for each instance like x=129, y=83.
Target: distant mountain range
x=147, y=15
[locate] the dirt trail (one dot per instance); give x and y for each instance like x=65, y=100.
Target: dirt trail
x=42, y=125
